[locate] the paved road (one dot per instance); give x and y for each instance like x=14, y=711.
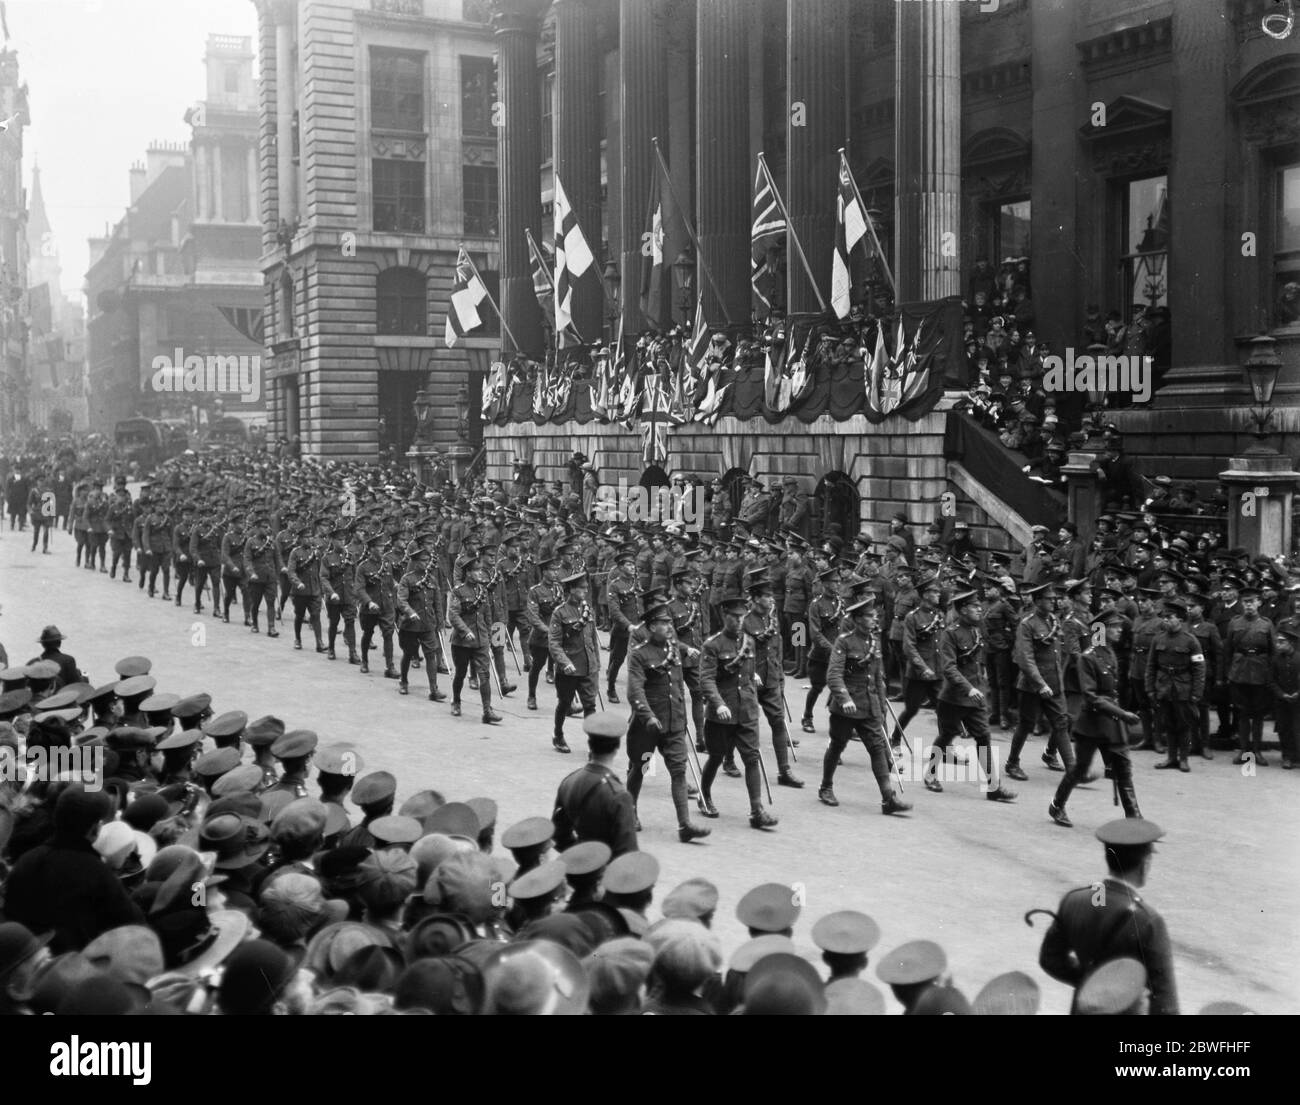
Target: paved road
x=959, y=869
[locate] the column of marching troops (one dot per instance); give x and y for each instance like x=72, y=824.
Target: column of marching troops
x=1141, y=634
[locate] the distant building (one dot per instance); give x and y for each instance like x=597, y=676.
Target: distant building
x=178, y=277
x=14, y=415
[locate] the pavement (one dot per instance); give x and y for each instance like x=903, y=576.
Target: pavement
x=958, y=869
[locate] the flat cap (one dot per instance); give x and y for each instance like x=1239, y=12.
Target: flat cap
x=1129, y=832
x=229, y=724
x=528, y=833
x=540, y=882
x=296, y=742
x=217, y=762
x=846, y=932
x=770, y=907
x=301, y=819
x=586, y=857
x=691, y=900
x=917, y=961
x=375, y=787
x=631, y=873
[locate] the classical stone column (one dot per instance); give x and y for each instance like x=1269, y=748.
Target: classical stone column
x=519, y=144
x=579, y=63
x=644, y=106
x=817, y=36
x=218, y=185
x=251, y=214
x=202, y=199
x=927, y=150
x=285, y=14
x=724, y=171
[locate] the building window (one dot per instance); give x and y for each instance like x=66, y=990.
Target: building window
x=232, y=78
x=1013, y=229
x=480, y=189
x=476, y=11
x=401, y=303
x=399, y=196
x=1146, y=240
x=396, y=91
x=1286, y=244
x=288, y=323
x=478, y=93
x=548, y=116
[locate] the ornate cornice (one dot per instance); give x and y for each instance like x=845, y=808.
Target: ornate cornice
x=1127, y=47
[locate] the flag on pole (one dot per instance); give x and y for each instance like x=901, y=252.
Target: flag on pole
x=850, y=228
x=768, y=230
x=656, y=296
x=573, y=258
x=699, y=334
x=467, y=293
x=543, y=288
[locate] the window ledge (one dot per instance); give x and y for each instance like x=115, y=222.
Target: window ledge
x=405, y=341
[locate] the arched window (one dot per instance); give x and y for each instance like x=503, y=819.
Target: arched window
x=402, y=305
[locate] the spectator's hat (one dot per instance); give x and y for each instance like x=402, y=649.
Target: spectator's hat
x=846, y=932
x=530, y=832
x=1116, y=987
x=132, y=666
x=1010, y=994
x=912, y=963
x=770, y=907
x=262, y=732
x=295, y=744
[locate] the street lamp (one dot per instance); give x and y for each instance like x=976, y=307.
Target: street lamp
x=613, y=283
x=423, y=404
x=462, y=413
x=684, y=278
x=1261, y=369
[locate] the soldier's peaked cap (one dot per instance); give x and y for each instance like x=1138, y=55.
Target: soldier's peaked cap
x=770, y=907
x=528, y=833
x=604, y=725
x=1129, y=832
x=375, y=787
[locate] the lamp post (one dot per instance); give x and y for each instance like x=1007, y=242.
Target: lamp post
x=613, y=283
x=684, y=279
x=1261, y=370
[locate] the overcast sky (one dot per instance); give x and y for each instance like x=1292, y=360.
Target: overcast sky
x=105, y=78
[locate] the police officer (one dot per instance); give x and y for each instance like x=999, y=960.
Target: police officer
x=575, y=650
x=1247, y=656
x=262, y=571
x=1110, y=920
x=339, y=584
x=727, y=679
x=763, y=625
x=302, y=571
x=469, y=611
x=856, y=677
x=420, y=617
x=1040, y=656
x=624, y=611
x=963, y=704
x=824, y=618
x=1175, y=683
x=542, y=600
x=655, y=693
x=1101, y=724
x=591, y=803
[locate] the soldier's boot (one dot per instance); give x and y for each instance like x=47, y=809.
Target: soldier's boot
x=729, y=767
x=403, y=687
x=1171, y=759
x=297, y=633
x=390, y=672
x=806, y=724
x=1057, y=812
x=490, y=716
x=759, y=818
x=271, y=631
x=320, y=645
x=532, y=702
x=455, y=709
x=690, y=831
x=560, y=744
x=931, y=776
x=1257, y=746
x=365, y=663
x=611, y=693
x=435, y=695
x=894, y=804
x=178, y=596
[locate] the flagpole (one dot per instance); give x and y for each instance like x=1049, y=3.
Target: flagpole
x=488, y=293
x=695, y=241
x=884, y=261
x=794, y=234
x=538, y=255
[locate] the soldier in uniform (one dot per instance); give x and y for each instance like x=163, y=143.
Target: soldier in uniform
x=139, y=511
x=542, y=600
x=905, y=600
x=655, y=693
x=286, y=540
x=963, y=704
x=591, y=803
x=339, y=584
x=727, y=679
x=294, y=751
x=856, y=677
x=1101, y=724
x=96, y=515
x=157, y=537
x=1040, y=656
x=1207, y=636
x=1247, y=657
x=689, y=628
x=420, y=616
x=261, y=572
x=232, y=567
x=182, y=564
x=624, y=611
x=1000, y=638
x=205, y=557
x=1145, y=629
x=119, y=529
x=575, y=650
x=514, y=580
x=825, y=615
x=1110, y=920
x=921, y=628
x=303, y=574
x=469, y=611
x=1175, y=683
x=377, y=595
x=763, y=626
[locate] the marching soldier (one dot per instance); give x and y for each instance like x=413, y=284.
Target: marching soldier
x=1175, y=683
x=1101, y=725
x=825, y=615
x=690, y=630
x=182, y=563
x=1247, y=657
x=470, y=613
x=591, y=804
x=96, y=515
x=205, y=555
x=286, y=540
x=303, y=575
x=339, y=584
x=420, y=616
x=921, y=628
x=763, y=626
x=261, y=571
x=856, y=677
x=1105, y=921
x=1000, y=637
x=905, y=600
x=575, y=650
x=139, y=512
x=1207, y=636
x=119, y=530
x=543, y=598
x=514, y=580
x=964, y=695
x=377, y=592
x=727, y=679
x=1145, y=629
x=1040, y=655
x=157, y=536
x=232, y=567
x=624, y=611
x=655, y=693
